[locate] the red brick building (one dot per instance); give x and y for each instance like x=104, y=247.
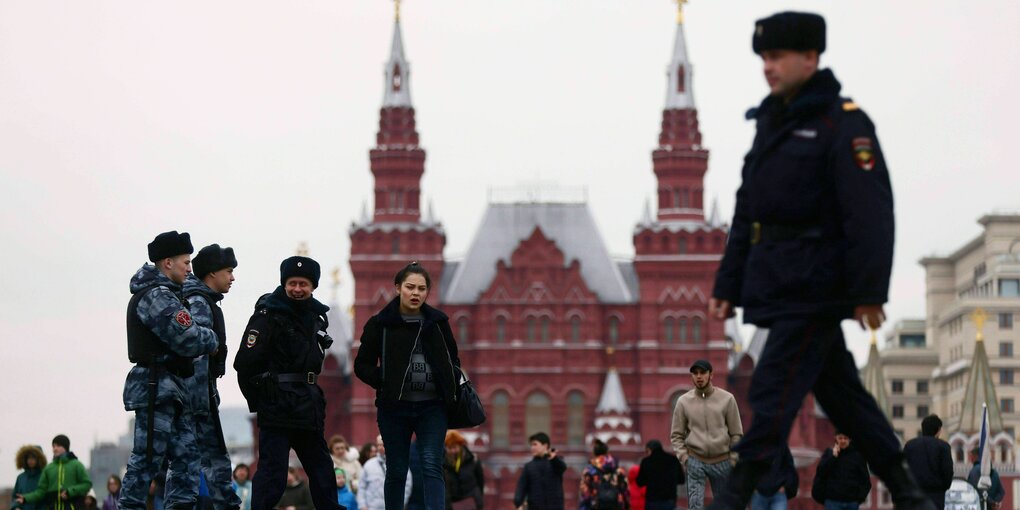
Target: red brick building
x=557, y=335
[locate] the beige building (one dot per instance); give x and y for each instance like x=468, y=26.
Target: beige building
x=938, y=365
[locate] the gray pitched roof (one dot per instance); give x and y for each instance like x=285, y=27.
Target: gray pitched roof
x=570, y=226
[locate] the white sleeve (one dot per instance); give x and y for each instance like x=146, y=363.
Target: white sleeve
x=407, y=488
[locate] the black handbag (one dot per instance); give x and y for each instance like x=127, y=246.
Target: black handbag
x=467, y=411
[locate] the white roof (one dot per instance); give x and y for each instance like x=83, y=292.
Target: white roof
x=612, y=399
x=504, y=226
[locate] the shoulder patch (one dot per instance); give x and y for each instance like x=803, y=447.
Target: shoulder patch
x=864, y=153
x=184, y=318
x=252, y=339
x=850, y=106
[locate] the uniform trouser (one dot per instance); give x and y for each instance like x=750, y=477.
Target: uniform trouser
x=810, y=355
x=698, y=474
x=215, y=463
x=173, y=441
x=427, y=422
x=274, y=453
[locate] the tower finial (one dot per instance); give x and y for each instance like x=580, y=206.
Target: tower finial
x=979, y=316
x=679, y=11
x=396, y=3
x=302, y=249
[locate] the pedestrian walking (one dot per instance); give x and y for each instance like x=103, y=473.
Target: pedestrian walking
x=660, y=474
x=637, y=493
x=842, y=480
x=931, y=460
x=465, y=478
x=278, y=366
x=811, y=244
x=706, y=425
x=603, y=482
x=541, y=483
x=409, y=355
x=994, y=494
x=162, y=340
x=31, y=460
x=63, y=483
x=204, y=289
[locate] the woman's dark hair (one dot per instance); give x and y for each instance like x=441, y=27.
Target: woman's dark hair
x=412, y=268
x=365, y=453
x=599, y=448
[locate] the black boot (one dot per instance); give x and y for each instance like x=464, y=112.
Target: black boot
x=906, y=494
x=740, y=486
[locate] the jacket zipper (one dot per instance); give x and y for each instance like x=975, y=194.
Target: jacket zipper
x=411, y=356
x=60, y=484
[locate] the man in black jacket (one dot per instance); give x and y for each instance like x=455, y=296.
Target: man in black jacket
x=277, y=366
x=660, y=473
x=931, y=460
x=842, y=480
x=541, y=482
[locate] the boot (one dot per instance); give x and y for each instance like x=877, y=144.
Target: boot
x=906, y=494
x=740, y=486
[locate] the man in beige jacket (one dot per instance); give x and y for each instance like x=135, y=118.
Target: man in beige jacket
x=706, y=424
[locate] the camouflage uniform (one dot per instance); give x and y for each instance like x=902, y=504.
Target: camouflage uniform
x=163, y=312
x=205, y=399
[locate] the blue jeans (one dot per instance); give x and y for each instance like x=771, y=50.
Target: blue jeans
x=427, y=422
x=831, y=504
x=776, y=501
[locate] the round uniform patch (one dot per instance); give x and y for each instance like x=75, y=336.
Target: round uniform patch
x=253, y=336
x=183, y=318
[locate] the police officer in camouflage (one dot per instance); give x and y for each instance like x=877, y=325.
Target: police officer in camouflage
x=811, y=244
x=162, y=340
x=204, y=289
x=278, y=364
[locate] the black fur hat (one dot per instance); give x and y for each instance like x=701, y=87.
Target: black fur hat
x=212, y=258
x=170, y=244
x=800, y=31
x=299, y=266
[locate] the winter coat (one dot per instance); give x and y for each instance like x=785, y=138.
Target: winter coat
x=370, y=494
x=706, y=424
x=244, y=492
x=541, y=484
x=844, y=478
x=297, y=496
x=464, y=481
x=813, y=227
x=638, y=494
x=660, y=473
x=931, y=463
x=603, y=472
x=995, y=493
x=284, y=336
x=66, y=472
x=111, y=502
x=203, y=303
x=27, y=482
x=385, y=369
x=352, y=470
x=163, y=311
x=346, y=498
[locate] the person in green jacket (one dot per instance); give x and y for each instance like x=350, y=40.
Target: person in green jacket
x=32, y=460
x=63, y=483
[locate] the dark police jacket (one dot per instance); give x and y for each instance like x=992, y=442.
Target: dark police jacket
x=466, y=482
x=813, y=228
x=284, y=336
x=385, y=368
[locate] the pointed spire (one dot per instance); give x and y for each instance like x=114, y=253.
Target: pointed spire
x=714, y=220
x=874, y=379
x=980, y=388
x=679, y=94
x=398, y=70
x=646, y=218
x=612, y=399
x=365, y=219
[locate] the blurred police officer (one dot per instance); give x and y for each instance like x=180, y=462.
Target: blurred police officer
x=811, y=244
x=278, y=364
x=162, y=340
x=204, y=289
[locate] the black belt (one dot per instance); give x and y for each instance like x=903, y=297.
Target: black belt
x=306, y=377
x=770, y=233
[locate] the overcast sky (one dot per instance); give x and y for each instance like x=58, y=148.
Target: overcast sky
x=249, y=124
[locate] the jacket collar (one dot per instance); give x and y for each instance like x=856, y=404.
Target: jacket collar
x=818, y=92
x=278, y=301
x=390, y=314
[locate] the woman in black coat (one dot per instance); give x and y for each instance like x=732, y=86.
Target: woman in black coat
x=408, y=354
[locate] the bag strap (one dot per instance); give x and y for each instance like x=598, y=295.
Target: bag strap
x=382, y=364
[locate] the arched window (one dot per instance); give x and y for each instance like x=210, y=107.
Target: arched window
x=462, y=329
x=575, y=329
x=682, y=246
x=537, y=414
x=500, y=329
x=614, y=330
x=532, y=326
x=667, y=330
x=696, y=330
x=681, y=84
x=499, y=410
x=1004, y=451
x=958, y=452
x=575, y=418
x=673, y=398
x=546, y=334
x=682, y=330
x=395, y=246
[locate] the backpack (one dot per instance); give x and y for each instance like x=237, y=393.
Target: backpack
x=607, y=496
